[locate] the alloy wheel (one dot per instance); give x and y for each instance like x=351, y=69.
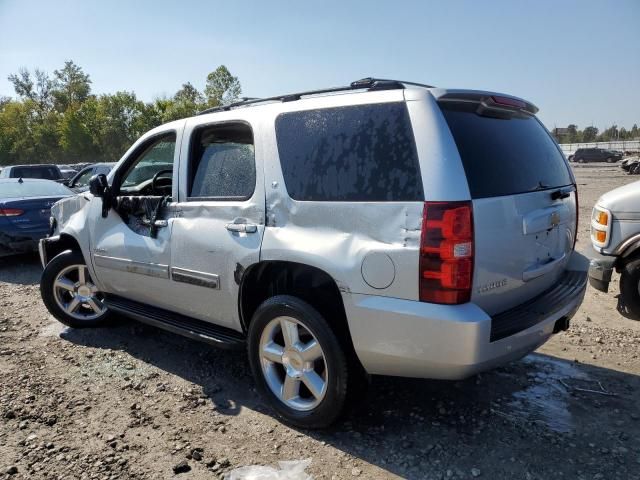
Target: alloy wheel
x=77, y=295
x=293, y=363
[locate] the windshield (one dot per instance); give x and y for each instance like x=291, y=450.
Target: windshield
x=32, y=189
x=504, y=156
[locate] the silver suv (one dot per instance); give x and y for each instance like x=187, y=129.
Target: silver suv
x=381, y=228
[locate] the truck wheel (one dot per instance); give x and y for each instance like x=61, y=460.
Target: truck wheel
x=298, y=362
x=630, y=286
x=69, y=294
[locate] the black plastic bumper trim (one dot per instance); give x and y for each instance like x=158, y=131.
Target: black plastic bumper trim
x=569, y=288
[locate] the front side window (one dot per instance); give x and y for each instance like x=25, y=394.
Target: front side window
x=222, y=163
x=154, y=157
x=355, y=153
x=83, y=179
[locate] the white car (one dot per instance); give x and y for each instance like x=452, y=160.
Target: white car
x=615, y=235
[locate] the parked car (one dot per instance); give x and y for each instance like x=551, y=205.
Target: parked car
x=583, y=155
x=43, y=172
x=631, y=165
x=334, y=236
x=615, y=235
x=80, y=181
x=24, y=212
x=67, y=173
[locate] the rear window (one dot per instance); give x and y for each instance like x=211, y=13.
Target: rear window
x=46, y=173
x=355, y=153
x=32, y=189
x=504, y=156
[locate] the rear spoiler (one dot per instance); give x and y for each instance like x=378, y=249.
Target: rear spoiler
x=486, y=100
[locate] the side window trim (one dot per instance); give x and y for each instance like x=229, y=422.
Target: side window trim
x=188, y=198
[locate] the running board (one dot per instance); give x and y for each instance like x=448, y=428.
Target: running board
x=176, y=323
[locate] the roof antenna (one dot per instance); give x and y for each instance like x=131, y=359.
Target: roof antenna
x=20, y=180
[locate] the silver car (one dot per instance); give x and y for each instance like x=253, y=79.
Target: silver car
x=383, y=228
x=615, y=235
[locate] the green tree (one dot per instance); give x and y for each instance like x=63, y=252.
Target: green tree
x=222, y=88
x=118, y=123
x=71, y=86
x=37, y=88
x=58, y=119
x=76, y=140
x=589, y=134
x=573, y=134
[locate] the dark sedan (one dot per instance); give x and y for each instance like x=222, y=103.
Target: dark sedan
x=25, y=206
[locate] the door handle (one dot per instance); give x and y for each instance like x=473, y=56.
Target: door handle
x=242, y=227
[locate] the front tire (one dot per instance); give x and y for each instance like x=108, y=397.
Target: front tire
x=609, y=159
x=298, y=362
x=69, y=293
x=630, y=286
x=581, y=160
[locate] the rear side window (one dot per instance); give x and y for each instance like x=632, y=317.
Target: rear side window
x=504, y=156
x=46, y=173
x=355, y=153
x=222, y=163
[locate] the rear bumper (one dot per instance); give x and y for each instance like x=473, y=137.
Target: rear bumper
x=414, y=339
x=11, y=244
x=600, y=270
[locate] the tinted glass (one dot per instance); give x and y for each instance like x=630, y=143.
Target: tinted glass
x=222, y=162
x=46, y=173
x=504, y=156
x=32, y=189
x=356, y=153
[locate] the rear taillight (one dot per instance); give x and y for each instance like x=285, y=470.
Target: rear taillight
x=10, y=212
x=446, y=252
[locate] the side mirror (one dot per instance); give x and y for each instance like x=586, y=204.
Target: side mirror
x=98, y=185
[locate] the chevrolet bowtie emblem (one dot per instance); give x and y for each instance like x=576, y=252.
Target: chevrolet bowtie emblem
x=554, y=219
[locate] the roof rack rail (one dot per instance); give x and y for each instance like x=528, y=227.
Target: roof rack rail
x=367, y=83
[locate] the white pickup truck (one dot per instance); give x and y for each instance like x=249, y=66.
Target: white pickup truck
x=615, y=235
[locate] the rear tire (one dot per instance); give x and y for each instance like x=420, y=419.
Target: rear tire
x=609, y=159
x=630, y=286
x=306, y=390
x=69, y=293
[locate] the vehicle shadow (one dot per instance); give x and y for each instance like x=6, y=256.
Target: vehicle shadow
x=23, y=269
x=541, y=417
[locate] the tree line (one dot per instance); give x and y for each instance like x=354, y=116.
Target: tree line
x=591, y=134
x=57, y=119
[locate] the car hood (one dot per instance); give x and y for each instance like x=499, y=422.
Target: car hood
x=623, y=202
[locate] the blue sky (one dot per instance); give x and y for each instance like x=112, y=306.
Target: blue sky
x=579, y=61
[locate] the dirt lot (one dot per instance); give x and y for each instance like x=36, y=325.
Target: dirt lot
x=133, y=402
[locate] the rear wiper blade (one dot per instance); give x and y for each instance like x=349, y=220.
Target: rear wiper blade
x=540, y=186
x=562, y=193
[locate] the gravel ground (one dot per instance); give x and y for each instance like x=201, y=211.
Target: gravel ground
x=133, y=402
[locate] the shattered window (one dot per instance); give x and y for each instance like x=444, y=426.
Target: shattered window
x=222, y=163
x=354, y=153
